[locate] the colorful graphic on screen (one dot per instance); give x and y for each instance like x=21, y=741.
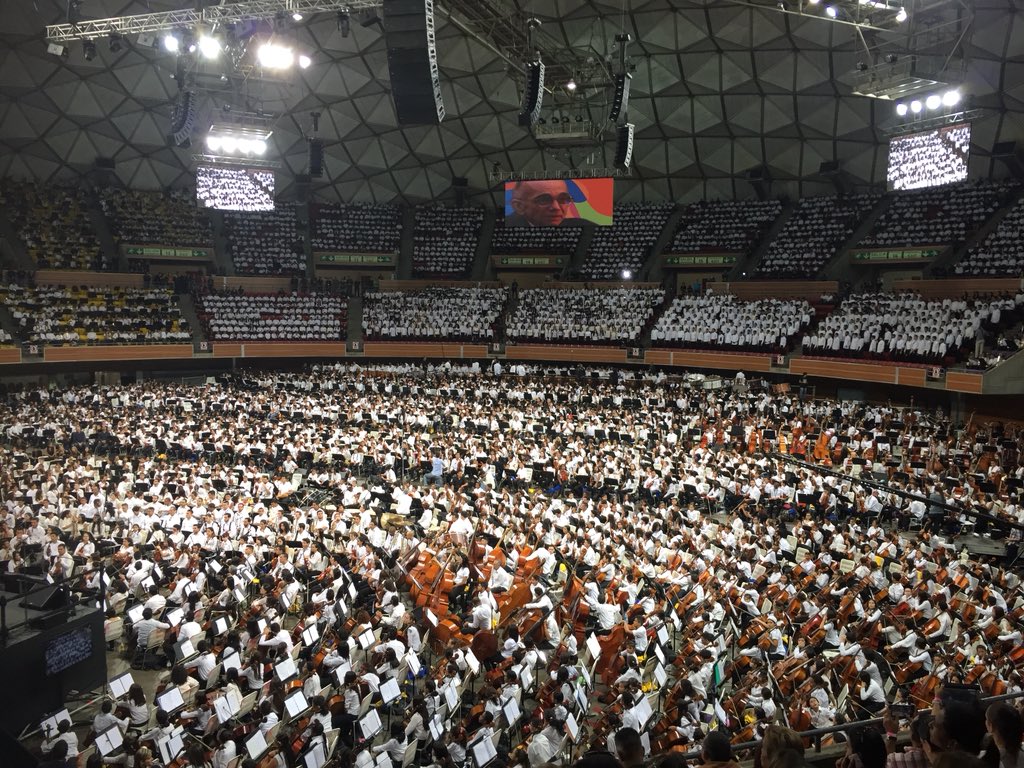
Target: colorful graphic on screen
x=558, y=202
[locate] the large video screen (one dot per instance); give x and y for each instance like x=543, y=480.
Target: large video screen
x=558, y=202
x=234, y=189
x=930, y=158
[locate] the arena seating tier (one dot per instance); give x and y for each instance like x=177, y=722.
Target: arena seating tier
x=811, y=236
x=1002, y=252
x=273, y=317
x=627, y=243
x=53, y=223
x=583, y=316
x=445, y=240
x=940, y=216
x=266, y=242
x=723, y=322
x=68, y=316
x=463, y=314
x=357, y=228
x=732, y=226
x=168, y=217
x=547, y=241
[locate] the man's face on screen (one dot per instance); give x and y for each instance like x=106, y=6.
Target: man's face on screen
x=542, y=203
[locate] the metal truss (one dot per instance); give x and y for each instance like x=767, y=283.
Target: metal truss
x=497, y=177
x=209, y=15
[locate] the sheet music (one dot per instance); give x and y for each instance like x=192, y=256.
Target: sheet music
x=185, y=649
x=659, y=653
x=119, y=685
x=436, y=728
x=483, y=751
x=135, y=614
x=285, y=670
x=594, y=646
x=109, y=741
x=220, y=626
x=295, y=704
x=370, y=724
x=431, y=618
x=172, y=745
x=367, y=639
x=660, y=675
x=341, y=671
x=413, y=661
x=383, y=761
x=572, y=728
x=511, y=711
x=645, y=739
x=389, y=691
x=170, y=700
x=663, y=635
x=582, y=700
x=256, y=744
x=315, y=758
x=223, y=709
x=643, y=711
x=526, y=678
x=310, y=635
x=451, y=698
x=233, y=661
x=472, y=662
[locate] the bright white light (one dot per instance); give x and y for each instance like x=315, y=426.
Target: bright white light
x=170, y=43
x=213, y=143
x=915, y=106
x=229, y=144
x=209, y=47
x=627, y=274
x=304, y=61
x=815, y=2
x=901, y=109
x=902, y=15
x=571, y=85
x=259, y=146
x=831, y=11
x=951, y=98
x=275, y=56
x=296, y=16
x=933, y=102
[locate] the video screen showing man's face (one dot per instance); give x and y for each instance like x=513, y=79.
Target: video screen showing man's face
x=542, y=203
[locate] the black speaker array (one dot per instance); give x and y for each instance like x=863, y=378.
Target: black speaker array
x=315, y=149
x=624, y=146
x=412, y=61
x=533, y=94
x=620, y=102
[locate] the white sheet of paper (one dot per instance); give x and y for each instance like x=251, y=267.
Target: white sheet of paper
x=643, y=711
x=436, y=728
x=663, y=635
x=256, y=745
x=483, y=751
x=341, y=671
x=369, y=724
x=295, y=704
x=572, y=728
x=223, y=709
x=285, y=670
x=315, y=758
x=413, y=661
x=472, y=662
x=582, y=700
x=659, y=653
x=220, y=626
x=367, y=639
x=594, y=646
x=310, y=635
x=109, y=741
x=119, y=685
x=234, y=661
x=511, y=711
x=526, y=678
x=645, y=739
x=170, y=700
x=660, y=675
x=451, y=697
x=431, y=618
x=389, y=691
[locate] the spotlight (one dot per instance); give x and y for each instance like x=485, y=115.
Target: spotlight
x=89, y=49
x=815, y=2
x=304, y=61
x=296, y=16
x=115, y=43
x=209, y=47
x=902, y=15
x=570, y=86
x=831, y=11
x=273, y=56
x=259, y=146
x=213, y=143
x=627, y=274
x=901, y=109
x=57, y=50
x=915, y=106
x=171, y=43
x=933, y=102
x=951, y=98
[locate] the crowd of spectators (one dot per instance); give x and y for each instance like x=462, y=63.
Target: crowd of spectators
x=941, y=216
x=167, y=217
x=627, y=243
x=70, y=316
x=445, y=240
x=53, y=223
x=812, y=235
x=357, y=228
x=235, y=189
x=265, y=243
x=273, y=317
x=716, y=321
x=909, y=328
x=549, y=241
x=929, y=159
x=724, y=226
x=458, y=314
x=1002, y=252
x=582, y=315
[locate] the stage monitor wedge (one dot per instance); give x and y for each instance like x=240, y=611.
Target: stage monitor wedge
x=412, y=61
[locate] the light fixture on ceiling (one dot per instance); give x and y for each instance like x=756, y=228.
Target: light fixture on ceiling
x=831, y=12
x=901, y=15
x=232, y=140
x=627, y=274
x=296, y=16
x=934, y=101
x=274, y=56
x=951, y=98
x=115, y=43
x=901, y=109
x=89, y=50
x=571, y=85
x=171, y=43
x=209, y=47
x=916, y=106
x=304, y=61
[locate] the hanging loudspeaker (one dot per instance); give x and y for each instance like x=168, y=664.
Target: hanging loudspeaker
x=624, y=146
x=533, y=94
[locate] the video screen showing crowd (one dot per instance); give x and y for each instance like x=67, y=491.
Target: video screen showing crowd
x=225, y=188
x=929, y=159
x=443, y=565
